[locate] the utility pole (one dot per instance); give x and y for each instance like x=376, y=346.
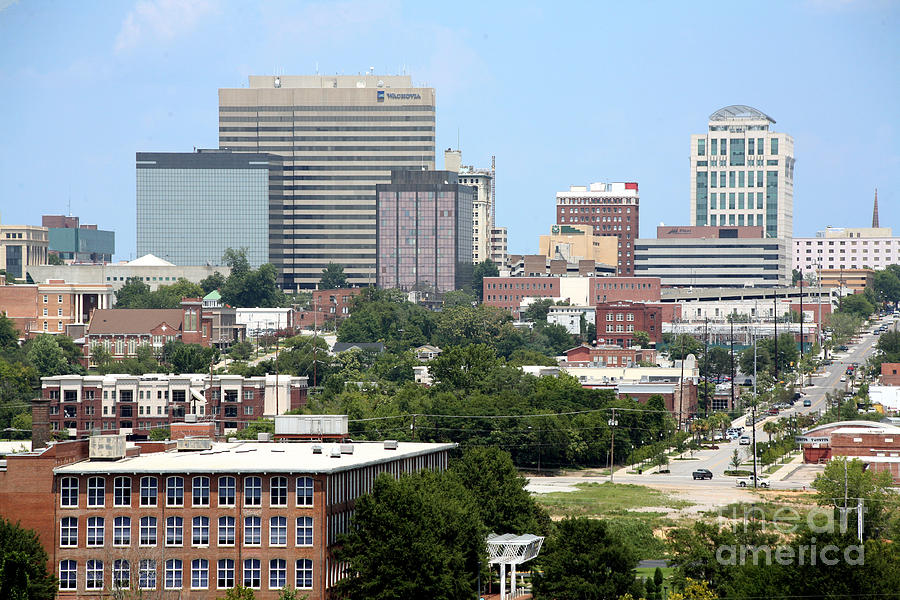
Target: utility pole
x=706, y=362
x=732, y=360
x=755, y=401
x=801, y=323
x=681, y=386
x=775, y=320
x=612, y=442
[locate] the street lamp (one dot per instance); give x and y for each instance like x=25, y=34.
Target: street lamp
x=612, y=424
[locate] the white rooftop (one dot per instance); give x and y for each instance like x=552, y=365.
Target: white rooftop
x=256, y=457
x=149, y=260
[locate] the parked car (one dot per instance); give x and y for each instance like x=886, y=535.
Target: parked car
x=702, y=474
x=807, y=402
x=745, y=440
x=748, y=481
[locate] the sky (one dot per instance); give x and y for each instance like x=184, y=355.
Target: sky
x=563, y=93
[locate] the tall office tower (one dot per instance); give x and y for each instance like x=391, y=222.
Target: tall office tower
x=743, y=174
x=191, y=207
x=424, y=231
x=339, y=136
x=483, y=209
x=611, y=209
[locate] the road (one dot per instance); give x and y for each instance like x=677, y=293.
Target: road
x=791, y=476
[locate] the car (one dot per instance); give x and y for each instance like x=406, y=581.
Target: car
x=843, y=378
x=745, y=440
x=748, y=382
x=702, y=474
x=807, y=402
x=796, y=395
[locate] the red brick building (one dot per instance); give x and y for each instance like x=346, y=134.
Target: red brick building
x=135, y=404
x=194, y=523
x=875, y=444
x=618, y=321
x=123, y=330
x=326, y=306
x=609, y=356
x=631, y=289
x=508, y=292
x=890, y=373
x=52, y=307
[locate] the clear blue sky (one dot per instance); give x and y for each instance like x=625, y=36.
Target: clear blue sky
x=561, y=92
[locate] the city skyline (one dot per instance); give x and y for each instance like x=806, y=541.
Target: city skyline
x=615, y=104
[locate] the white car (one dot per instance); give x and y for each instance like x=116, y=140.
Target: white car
x=843, y=378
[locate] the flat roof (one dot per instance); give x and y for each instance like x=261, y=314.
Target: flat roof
x=255, y=457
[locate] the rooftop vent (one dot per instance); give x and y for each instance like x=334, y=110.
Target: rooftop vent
x=190, y=418
x=390, y=444
x=263, y=437
x=106, y=447
x=233, y=440
x=346, y=448
x=335, y=452
x=190, y=444
x=317, y=449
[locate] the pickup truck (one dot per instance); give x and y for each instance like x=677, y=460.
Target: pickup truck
x=702, y=474
x=748, y=482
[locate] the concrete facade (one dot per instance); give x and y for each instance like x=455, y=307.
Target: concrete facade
x=846, y=247
x=483, y=210
x=75, y=242
x=339, y=136
x=742, y=173
x=22, y=246
x=612, y=209
x=578, y=242
x=151, y=270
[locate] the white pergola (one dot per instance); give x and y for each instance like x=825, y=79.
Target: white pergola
x=510, y=549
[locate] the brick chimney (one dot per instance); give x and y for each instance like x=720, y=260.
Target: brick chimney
x=40, y=422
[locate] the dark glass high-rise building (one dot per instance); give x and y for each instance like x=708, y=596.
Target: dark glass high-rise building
x=339, y=136
x=192, y=206
x=424, y=231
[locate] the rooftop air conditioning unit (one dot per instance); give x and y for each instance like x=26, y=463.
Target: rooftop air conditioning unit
x=317, y=449
x=346, y=448
x=390, y=444
x=335, y=452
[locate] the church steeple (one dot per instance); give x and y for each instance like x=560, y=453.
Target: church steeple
x=875, y=210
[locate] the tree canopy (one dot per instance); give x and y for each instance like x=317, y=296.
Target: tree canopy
x=333, y=277
x=23, y=565
x=485, y=268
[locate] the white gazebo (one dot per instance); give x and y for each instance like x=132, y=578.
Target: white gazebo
x=511, y=549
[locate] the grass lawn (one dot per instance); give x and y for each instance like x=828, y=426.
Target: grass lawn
x=606, y=499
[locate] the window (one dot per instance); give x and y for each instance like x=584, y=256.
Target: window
x=149, y=491
x=304, y=574
x=95, y=530
x=147, y=574
x=629, y=317
x=68, y=495
x=93, y=575
x=304, y=491
x=200, y=491
x=304, y=531
x=278, y=531
x=226, y=531
x=121, y=575
x=67, y=576
x=277, y=573
x=226, y=491
x=96, y=491
x=774, y=144
x=252, y=573
x=252, y=531
x=701, y=147
x=200, y=531
x=148, y=531
x=68, y=532
x=199, y=574
x=278, y=491
x=174, y=531
x=225, y=576
x=173, y=574
x=175, y=491
x=122, y=491
x=253, y=491
x=122, y=531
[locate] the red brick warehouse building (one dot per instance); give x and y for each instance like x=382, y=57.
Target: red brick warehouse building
x=198, y=519
x=617, y=322
x=611, y=209
x=326, y=306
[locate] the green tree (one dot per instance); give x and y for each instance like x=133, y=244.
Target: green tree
x=159, y=433
x=538, y=310
x=142, y=362
x=459, y=298
x=188, y=358
x=241, y=351
x=641, y=339
x=418, y=536
x=583, y=559
x=23, y=565
x=237, y=260
x=101, y=358
x=857, y=305
x=485, y=268
x=252, y=429
x=47, y=357
x=504, y=505
x=763, y=359
x=214, y=282
x=887, y=286
x=684, y=344
x=54, y=259
x=524, y=356
x=736, y=459
x=9, y=335
x=134, y=294
x=464, y=367
x=239, y=592
x=843, y=478
x=333, y=277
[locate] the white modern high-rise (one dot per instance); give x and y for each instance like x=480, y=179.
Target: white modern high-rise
x=482, y=209
x=742, y=173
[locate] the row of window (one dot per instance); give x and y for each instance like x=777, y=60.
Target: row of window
x=175, y=491
x=95, y=577
x=620, y=316
x=148, y=529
